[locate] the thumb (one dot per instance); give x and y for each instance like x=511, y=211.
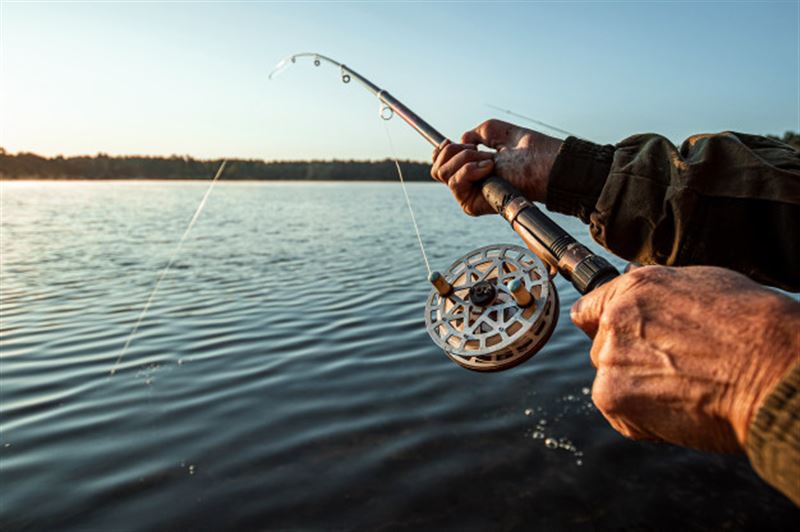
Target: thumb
x=493, y=133
x=587, y=311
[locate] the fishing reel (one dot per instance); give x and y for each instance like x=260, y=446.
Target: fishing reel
x=493, y=308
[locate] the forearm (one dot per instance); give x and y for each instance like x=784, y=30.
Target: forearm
x=728, y=200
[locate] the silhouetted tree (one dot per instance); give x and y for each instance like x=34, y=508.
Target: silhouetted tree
x=102, y=166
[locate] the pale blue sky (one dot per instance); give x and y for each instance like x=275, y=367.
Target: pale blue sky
x=191, y=78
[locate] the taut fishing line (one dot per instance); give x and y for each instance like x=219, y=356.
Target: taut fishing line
x=166, y=269
x=405, y=193
x=495, y=306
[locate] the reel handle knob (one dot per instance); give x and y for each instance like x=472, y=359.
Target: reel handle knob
x=521, y=296
x=440, y=284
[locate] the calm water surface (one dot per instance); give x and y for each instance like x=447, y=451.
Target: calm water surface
x=284, y=379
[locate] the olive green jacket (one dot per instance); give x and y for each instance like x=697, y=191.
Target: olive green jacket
x=729, y=200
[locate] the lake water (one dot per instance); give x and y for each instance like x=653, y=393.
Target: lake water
x=283, y=378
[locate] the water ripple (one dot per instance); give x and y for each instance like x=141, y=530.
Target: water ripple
x=283, y=378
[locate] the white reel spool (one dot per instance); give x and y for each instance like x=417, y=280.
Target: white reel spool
x=486, y=322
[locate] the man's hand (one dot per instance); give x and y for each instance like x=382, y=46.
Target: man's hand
x=524, y=158
x=687, y=355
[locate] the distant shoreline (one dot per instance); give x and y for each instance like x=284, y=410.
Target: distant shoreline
x=221, y=181
x=29, y=166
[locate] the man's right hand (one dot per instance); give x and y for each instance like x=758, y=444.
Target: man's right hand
x=524, y=158
x=687, y=355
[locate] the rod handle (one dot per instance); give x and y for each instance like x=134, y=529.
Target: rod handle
x=499, y=193
x=555, y=246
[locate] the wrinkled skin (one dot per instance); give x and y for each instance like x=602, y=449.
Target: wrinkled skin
x=687, y=355
x=524, y=158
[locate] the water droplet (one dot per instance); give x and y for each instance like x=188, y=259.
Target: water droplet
x=528, y=411
x=578, y=462
x=551, y=443
x=191, y=469
x=7, y=445
x=586, y=391
x=542, y=422
x=180, y=362
x=537, y=435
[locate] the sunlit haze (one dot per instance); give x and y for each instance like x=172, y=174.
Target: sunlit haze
x=191, y=78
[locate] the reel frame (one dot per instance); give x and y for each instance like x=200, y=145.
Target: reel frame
x=501, y=334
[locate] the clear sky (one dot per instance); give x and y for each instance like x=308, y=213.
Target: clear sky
x=191, y=78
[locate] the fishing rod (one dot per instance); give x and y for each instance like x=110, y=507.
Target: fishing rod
x=496, y=306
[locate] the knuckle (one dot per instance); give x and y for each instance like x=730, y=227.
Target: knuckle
x=607, y=401
x=607, y=355
x=464, y=170
x=450, y=150
x=488, y=125
x=453, y=186
x=601, y=396
x=612, y=315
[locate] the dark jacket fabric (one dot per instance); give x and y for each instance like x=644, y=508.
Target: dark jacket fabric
x=729, y=200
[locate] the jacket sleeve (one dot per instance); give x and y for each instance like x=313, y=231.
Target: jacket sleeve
x=773, y=439
x=728, y=199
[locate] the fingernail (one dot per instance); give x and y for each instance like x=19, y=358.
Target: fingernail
x=484, y=163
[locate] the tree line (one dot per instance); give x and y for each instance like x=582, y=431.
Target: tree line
x=101, y=166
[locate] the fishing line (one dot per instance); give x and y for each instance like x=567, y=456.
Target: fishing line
x=166, y=269
x=529, y=119
x=405, y=192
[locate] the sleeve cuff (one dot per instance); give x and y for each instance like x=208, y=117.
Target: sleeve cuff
x=577, y=177
x=773, y=438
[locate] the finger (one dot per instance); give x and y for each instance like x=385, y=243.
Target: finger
x=445, y=154
x=438, y=148
x=448, y=169
x=446, y=142
x=493, y=133
x=463, y=182
x=586, y=311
